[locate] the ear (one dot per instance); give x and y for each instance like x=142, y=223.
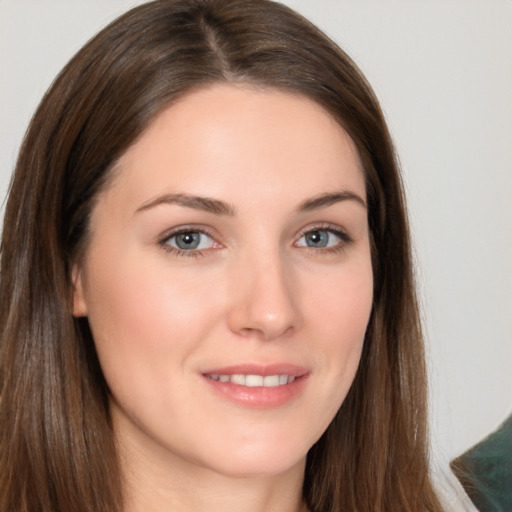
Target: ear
x=79, y=304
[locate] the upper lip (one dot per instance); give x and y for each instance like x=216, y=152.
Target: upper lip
x=259, y=369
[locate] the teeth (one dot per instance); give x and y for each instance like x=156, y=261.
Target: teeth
x=254, y=381
x=269, y=381
x=238, y=379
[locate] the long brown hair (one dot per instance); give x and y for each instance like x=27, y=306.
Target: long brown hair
x=57, y=449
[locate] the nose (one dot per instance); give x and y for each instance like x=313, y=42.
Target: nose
x=264, y=304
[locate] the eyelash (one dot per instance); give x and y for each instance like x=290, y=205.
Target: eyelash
x=181, y=253
x=345, y=239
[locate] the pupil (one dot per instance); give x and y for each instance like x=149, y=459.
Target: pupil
x=317, y=239
x=187, y=240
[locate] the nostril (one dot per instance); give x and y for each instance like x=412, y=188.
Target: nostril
x=262, y=303
x=267, y=331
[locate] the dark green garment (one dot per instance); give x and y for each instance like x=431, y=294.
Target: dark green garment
x=485, y=471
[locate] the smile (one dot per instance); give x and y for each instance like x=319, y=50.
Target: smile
x=253, y=381
x=258, y=386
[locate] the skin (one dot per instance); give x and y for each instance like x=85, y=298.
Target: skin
x=255, y=291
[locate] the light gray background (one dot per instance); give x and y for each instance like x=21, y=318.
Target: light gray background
x=443, y=72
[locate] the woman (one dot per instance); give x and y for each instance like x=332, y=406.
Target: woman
x=207, y=295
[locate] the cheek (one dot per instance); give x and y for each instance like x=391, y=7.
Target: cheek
x=147, y=325
x=343, y=304
x=336, y=314
x=138, y=294
x=142, y=316
x=340, y=313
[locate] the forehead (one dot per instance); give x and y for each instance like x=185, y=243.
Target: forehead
x=220, y=139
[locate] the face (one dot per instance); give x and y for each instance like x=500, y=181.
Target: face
x=228, y=281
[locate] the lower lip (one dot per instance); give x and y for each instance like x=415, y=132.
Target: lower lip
x=259, y=397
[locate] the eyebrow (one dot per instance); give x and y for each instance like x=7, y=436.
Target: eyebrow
x=206, y=204
x=218, y=207
x=324, y=200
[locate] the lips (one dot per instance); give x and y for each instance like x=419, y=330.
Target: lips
x=258, y=386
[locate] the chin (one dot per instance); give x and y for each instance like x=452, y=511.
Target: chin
x=259, y=459
x=259, y=468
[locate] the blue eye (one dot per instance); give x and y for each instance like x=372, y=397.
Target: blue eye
x=190, y=241
x=320, y=239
